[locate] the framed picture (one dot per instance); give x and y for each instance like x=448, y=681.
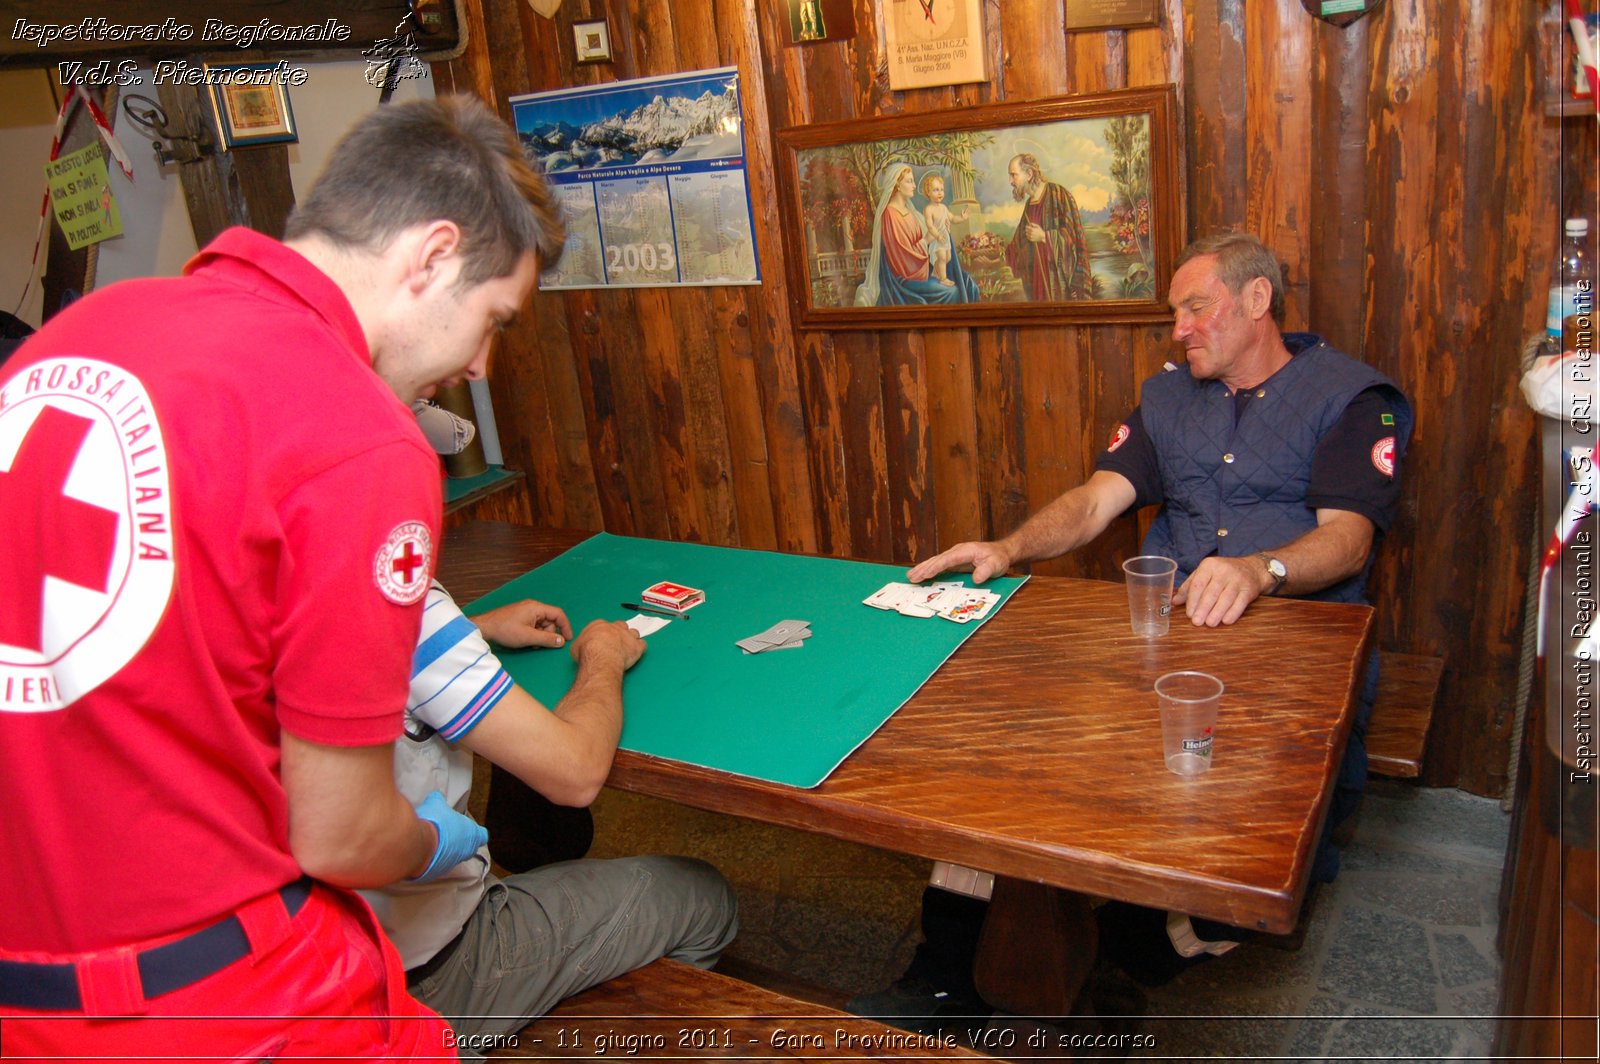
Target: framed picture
x=593, y=40
x=815, y=21
x=1111, y=14
x=1046, y=211
x=251, y=104
x=933, y=42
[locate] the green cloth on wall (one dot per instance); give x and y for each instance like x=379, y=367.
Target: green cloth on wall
x=788, y=716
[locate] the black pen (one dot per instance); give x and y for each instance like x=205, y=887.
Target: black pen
x=656, y=610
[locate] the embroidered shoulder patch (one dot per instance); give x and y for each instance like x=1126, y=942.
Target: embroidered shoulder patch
x=402, y=565
x=1383, y=456
x=1118, y=438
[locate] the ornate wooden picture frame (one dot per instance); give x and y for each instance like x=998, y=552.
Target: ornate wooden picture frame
x=1044, y=211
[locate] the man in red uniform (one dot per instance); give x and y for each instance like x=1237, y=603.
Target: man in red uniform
x=211, y=603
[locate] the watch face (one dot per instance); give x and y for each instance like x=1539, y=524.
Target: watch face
x=1276, y=568
x=926, y=19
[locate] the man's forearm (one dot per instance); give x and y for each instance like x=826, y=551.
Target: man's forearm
x=1076, y=517
x=348, y=825
x=1335, y=550
x=593, y=705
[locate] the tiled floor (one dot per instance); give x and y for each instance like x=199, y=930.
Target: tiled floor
x=1399, y=959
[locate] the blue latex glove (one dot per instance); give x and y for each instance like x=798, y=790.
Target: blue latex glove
x=459, y=836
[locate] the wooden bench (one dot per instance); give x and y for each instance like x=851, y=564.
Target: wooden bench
x=668, y=1009
x=1408, y=687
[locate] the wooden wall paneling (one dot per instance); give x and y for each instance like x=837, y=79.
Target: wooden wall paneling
x=521, y=397
x=1054, y=413
x=954, y=476
x=821, y=385
x=1495, y=304
x=705, y=417
x=1050, y=410
x=1002, y=451
x=1097, y=61
x=575, y=494
x=1216, y=106
x=758, y=352
x=664, y=385
x=907, y=468
x=594, y=373
x=684, y=368
x=626, y=47
x=1110, y=382
x=1399, y=338
x=751, y=468
x=1336, y=262
x=1278, y=141
x=815, y=380
x=473, y=71
x=640, y=421
x=859, y=368
x=542, y=41
x=1156, y=53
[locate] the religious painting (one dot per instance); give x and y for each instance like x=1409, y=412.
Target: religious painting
x=1043, y=211
x=251, y=104
x=816, y=21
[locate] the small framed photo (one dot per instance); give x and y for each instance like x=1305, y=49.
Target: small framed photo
x=593, y=39
x=251, y=104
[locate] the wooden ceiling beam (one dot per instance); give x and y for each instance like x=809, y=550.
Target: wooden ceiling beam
x=38, y=33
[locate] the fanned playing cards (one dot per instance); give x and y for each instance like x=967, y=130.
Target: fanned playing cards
x=949, y=599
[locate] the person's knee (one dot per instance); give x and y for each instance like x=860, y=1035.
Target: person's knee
x=708, y=902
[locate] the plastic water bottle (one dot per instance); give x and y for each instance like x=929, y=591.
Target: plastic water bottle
x=1569, y=321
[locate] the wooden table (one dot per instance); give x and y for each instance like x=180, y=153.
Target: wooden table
x=1035, y=751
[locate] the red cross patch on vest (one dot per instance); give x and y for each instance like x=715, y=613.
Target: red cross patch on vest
x=1383, y=456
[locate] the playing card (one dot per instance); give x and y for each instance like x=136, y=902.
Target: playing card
x=785, y=635
x=888, y=596
x=968, y=604
x=906, y=599
x=646, y=625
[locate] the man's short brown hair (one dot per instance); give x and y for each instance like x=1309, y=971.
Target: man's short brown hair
x=446, y=159
x=1241, y=257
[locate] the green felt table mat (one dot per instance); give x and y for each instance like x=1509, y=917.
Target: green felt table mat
x=788, y=716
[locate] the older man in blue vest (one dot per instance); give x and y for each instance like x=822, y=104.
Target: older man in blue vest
x=1274, y=458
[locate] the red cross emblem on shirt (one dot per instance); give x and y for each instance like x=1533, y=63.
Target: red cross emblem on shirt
x=407, y=563
x=401, y=566
x=47, y=533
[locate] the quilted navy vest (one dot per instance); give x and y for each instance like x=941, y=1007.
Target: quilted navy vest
x=1235, y=489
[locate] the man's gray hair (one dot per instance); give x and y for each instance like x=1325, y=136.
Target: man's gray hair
x=1241, y=257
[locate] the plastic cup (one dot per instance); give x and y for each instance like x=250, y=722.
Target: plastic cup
x=1149, y=579
x=1188, y=719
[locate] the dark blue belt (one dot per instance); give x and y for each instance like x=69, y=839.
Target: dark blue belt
x=162, y=969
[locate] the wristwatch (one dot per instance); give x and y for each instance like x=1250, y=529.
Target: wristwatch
x=1279, y=571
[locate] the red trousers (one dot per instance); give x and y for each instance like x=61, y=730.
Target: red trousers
x=324, y=985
